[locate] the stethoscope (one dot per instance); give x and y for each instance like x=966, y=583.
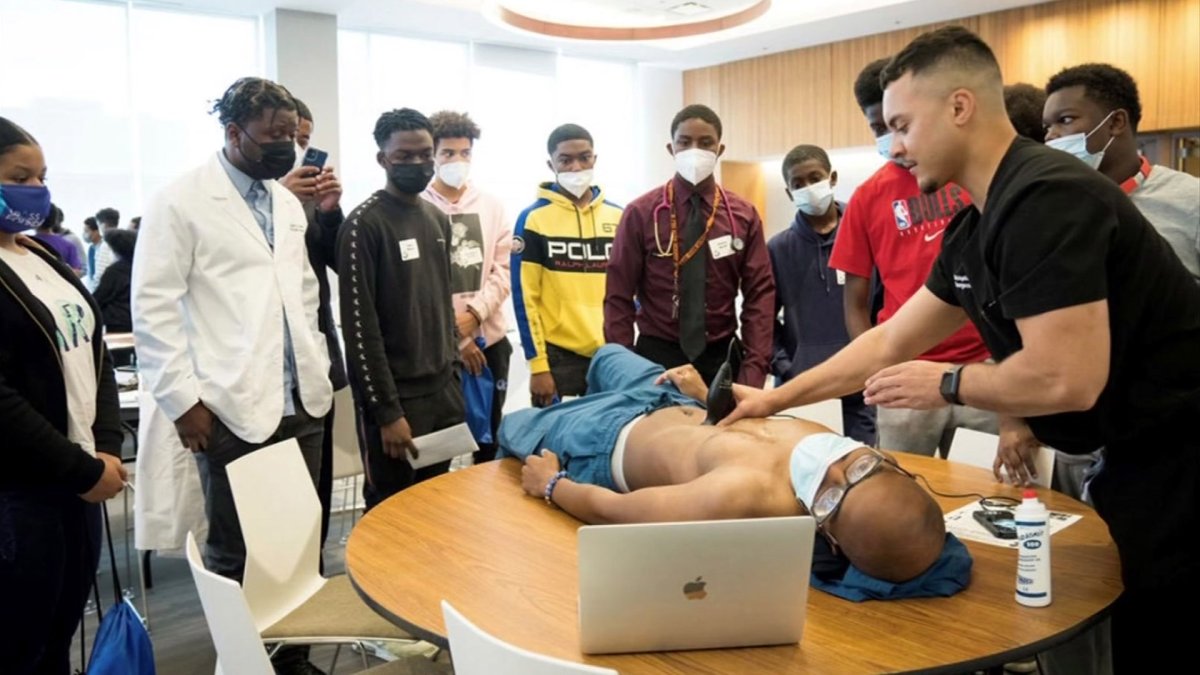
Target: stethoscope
x=668, y=203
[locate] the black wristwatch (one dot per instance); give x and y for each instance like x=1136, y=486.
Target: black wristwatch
x=951, y=379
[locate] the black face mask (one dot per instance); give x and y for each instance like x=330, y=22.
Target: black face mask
x=410, y=178
x=275, y=158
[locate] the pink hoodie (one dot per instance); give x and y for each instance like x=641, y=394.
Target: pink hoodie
x=479, y=257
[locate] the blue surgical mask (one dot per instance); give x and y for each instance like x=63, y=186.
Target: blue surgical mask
x=23, y=207
x=884, y=145
x=1076, y=144
x=812, y=457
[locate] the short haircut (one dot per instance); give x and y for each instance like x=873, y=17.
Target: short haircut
x=12, y=135
x=403, y=119
x=109, y=216
x=450, y=124
x=867, y=90
x=121, y=242
x=1108, y=86
x=1024, y=103
x=302, y=110
x=567, y=132
x=803, y=153
x=90, y=223
x=696, y=111
x=947, y=46
x=247, y=98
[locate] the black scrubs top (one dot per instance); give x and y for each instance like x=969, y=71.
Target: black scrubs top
x=1056, y=234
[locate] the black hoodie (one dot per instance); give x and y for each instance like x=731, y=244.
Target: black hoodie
x=33, y=396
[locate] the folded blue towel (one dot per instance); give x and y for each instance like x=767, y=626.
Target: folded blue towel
x=949, y=574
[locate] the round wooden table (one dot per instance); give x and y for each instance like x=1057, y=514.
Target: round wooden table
x=509, y=563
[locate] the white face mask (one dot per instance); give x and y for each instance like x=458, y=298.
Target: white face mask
x=812, y=457
x=575, y=182
x=883, y=144
x=1076, y=144
x=454, y=174
x=815, y=199
x=695, y=165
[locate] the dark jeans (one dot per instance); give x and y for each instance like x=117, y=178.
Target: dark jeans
x=1147, y=494
x=49, y=550
x=670, y=355
x=325, y=481
x=568, y=369
x=425, y=414
x=498, y=357
x=225, y=550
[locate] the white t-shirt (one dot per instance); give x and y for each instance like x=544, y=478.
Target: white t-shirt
x=75, y=325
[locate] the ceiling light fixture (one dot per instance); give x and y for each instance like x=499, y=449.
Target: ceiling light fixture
x=528, y=21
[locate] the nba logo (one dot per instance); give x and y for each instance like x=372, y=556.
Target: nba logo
x=900, y=211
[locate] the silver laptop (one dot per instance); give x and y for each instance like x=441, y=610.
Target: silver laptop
x=696, y=585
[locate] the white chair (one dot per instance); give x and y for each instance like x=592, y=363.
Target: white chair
x=232, y=626
x=978, y=448
x=827, y=412
x=347, y=459
x=475, y=652
x=281, y=524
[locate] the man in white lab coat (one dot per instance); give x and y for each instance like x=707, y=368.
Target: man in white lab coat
x=225, y=307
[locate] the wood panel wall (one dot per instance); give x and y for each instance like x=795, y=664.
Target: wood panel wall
x=771, y=103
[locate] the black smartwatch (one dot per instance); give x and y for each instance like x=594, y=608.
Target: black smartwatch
x=951, y=379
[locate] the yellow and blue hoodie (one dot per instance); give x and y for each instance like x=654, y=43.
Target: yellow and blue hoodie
x=559, y=258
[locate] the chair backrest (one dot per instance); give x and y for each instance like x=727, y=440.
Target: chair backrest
x=234, y=635
x=827, y=412
x=978, y=448
x=347, y=460
x=475, y=652
x=281, y=524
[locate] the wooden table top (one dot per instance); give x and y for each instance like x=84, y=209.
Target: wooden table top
x=509, y=563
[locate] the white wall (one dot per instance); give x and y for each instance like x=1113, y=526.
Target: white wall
x=659, y=95
x=301, y=54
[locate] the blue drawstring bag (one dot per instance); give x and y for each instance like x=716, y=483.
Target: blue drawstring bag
x=478, y=391
x=122, y=646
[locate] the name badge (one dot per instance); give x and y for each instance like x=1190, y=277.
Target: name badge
x=841, y=277
x=721, y=247
x=472, y=255
x=409, y=250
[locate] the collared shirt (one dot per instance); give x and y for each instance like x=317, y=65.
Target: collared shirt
x=258, y=200
x=736, y=259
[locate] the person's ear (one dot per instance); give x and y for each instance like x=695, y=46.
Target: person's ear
x=788, y=192
x=963, y=106
x=550, y=165
x=671, y=149
x=381, y=161
x=720, y=149
x=233, y=134
x=1118, y=124
x=833, y=179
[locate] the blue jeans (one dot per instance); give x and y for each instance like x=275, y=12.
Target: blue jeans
x=583, y=431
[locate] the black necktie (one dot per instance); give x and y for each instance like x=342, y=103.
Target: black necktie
x=691, y=283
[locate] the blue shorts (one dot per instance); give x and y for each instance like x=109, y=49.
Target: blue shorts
x=583, y=431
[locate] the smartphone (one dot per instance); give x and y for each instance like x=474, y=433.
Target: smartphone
x=1000, y=523
x=315, y=157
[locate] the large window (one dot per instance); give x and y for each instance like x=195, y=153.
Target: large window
x=117, y=95
x=516, y=96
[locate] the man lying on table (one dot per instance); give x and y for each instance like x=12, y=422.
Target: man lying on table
x=635, y=449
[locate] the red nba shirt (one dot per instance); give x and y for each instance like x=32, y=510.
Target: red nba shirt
x=891, y=225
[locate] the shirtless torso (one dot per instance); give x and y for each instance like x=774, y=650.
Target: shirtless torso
x=679, y=469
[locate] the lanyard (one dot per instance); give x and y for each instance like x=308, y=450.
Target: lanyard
x=1135, y=181
x=679, y=259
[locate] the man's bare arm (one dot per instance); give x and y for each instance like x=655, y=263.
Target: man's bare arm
x=714, y=496
x=856, y=303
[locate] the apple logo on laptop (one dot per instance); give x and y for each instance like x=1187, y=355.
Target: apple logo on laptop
x=694, y=590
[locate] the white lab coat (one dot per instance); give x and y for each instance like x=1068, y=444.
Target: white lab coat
x=209, y=299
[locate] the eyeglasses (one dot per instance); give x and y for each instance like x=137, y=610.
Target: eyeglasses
x=830, y=499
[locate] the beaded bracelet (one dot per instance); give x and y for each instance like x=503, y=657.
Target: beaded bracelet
x=550, y=486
